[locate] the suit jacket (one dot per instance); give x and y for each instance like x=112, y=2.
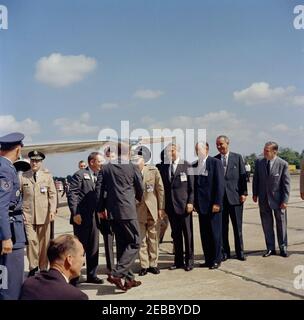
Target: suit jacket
x=82, y=196
x=209, y=186
x=154, y=196
x=50, y=285
x=302, y=177
x=180, y=191
x=235, y=178
x=39, y=198
x=274, y=188
x=122, y=184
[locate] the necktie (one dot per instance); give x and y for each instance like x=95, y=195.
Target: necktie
x=225, y=163
x=35, y=176
x=94, y=177
x=268, y=167
x=172, y=170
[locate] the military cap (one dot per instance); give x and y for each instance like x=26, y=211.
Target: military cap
x=22, y=165
x=142, y=151
x=36, y=155
x=11, y=140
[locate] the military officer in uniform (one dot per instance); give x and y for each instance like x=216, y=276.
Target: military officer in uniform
x=39, y=207
x=12, y=235
x=150, y=211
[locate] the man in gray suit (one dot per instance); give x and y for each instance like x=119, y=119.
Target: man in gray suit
x=123, y=183
x=271, y=186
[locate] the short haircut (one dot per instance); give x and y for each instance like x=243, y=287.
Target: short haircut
x=173, y=144
x=58, y=247
x=203, y=143
x=81, y=161
x=93, y=155
x=223, y=137
x=274, y=146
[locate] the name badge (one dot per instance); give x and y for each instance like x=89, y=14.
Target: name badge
x=183, y=177
x=150, y=187
x=43, y=189
x=86, y=176
x=205, y=173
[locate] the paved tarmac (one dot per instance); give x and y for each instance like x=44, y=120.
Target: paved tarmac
x=257, y=278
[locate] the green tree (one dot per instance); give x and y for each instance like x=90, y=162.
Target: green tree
x=251, y=160
x=291, y=156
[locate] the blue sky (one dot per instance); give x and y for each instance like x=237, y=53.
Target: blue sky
x=69, y=68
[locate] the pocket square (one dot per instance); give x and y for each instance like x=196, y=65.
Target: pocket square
x=277, y=174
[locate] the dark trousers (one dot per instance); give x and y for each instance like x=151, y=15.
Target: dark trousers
x=88, y=235
x=127, y=237
x=280, y=215
x=211, y=236
x=107, y=232
x=235, y=212
x=11, y=274
x=182, y=234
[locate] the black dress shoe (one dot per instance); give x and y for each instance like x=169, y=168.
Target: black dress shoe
x=225, y=256
x=204, y=265
x=241, y=257
x=142, y=272
x=214, y=266
x=188, y=268
x=283, y=253
x=32, y=272
x=95, y=280
x=154, y=270
x=174, y=267
x=269, y=253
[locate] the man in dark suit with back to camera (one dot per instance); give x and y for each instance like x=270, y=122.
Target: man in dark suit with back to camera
x=66, y=256
x=234, y=197
x=179, y=197
x=271, y=187
x=209, y=193
x=123, y=183
x=82, y=203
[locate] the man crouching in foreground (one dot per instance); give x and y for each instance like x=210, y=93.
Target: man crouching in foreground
x=66, y=256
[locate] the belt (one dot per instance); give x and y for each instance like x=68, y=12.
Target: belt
x=12, y=213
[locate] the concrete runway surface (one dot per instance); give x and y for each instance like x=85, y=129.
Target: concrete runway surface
x=257, y=278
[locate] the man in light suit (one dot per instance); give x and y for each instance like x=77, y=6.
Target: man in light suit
x=39, y=208
x=82, y=203
x=208, y=195
x=234, y=197
x=150, y=210
x=123, y=183
x=271, y=187
x=179, y=197
x=302, y=180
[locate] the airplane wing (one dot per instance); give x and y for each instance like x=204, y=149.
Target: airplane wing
x=69, y=147
x=64, y=147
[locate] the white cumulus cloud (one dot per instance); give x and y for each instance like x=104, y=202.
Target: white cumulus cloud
x=28, y=127
x=148, y=94
x=262, y=93
x=58, y=70
x=72, y=127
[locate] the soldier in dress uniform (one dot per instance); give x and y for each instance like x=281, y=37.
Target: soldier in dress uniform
x=150, y=211
x=12, y=234
x=39, y=207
